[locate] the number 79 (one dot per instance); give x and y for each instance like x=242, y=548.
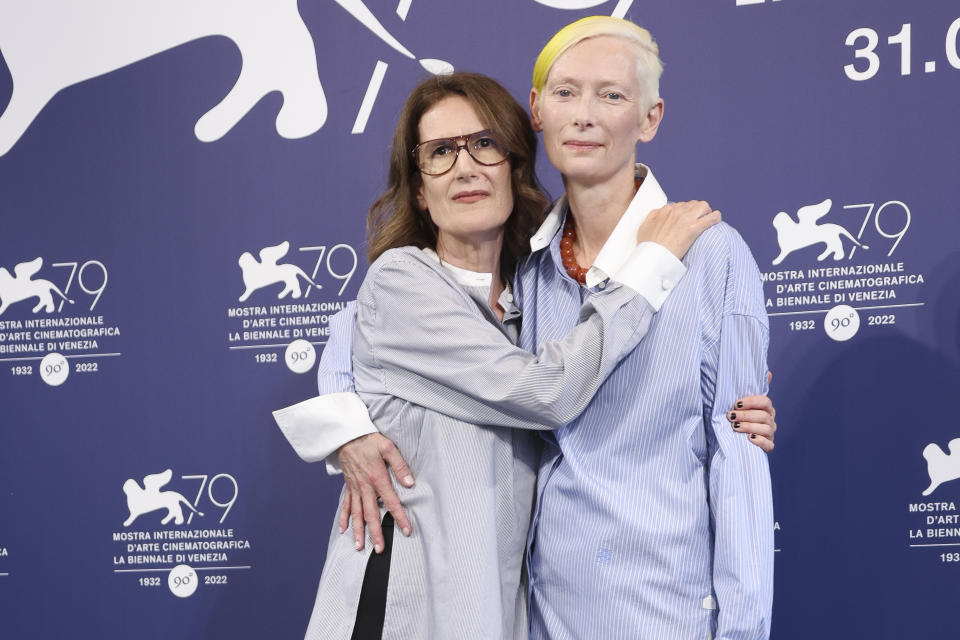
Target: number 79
x=896, y=235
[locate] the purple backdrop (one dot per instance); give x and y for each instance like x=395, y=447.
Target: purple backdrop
x=142, y=157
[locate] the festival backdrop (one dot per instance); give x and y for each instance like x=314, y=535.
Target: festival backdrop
x=183, y=188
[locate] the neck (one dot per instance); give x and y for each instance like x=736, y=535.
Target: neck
x=476, y=253
x=596, y=209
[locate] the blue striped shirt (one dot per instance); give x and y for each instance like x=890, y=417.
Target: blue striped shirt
x=654, y=518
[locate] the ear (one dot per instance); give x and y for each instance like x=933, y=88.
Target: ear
x=535, y=121
x=421, y=201
x=651, y=122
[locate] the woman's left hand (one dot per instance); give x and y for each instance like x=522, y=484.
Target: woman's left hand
x=755, y=416
x=367, y=482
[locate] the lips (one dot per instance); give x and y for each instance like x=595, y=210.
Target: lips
x=470, y=196
x=581, y=145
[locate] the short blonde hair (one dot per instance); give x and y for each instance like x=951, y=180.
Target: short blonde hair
x=649, y=65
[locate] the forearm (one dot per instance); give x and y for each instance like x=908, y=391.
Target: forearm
x=740, y=494
x=741, y=503
x=317, y=427
x=436, y=353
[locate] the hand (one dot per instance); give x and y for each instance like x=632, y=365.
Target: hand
x=364, y=462
x=677, y=225
x=756, y=416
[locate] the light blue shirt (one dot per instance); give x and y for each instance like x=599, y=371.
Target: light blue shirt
x=657, y=524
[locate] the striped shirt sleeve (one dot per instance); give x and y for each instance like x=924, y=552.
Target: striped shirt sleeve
x=318, y=427
x=434, y=349
x=739, y=478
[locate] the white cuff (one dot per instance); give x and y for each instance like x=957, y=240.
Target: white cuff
x=317, y=427
x=652, y=271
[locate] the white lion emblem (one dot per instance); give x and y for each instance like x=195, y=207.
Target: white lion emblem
x=940, y=466
x=806, y=232
x=150, y=498
x=54, y=44
x=257, y=275
x=21, y=287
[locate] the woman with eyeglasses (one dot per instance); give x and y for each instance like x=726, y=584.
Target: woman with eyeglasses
x=436, y=363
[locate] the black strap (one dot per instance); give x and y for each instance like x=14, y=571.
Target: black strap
x=373, y=595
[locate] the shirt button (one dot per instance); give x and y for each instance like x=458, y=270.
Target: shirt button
x=509, y=297
x=667, y=283
x=602, y=285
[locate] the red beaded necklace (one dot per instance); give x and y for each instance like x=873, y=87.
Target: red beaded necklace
x=574, y=270
x=569, y=261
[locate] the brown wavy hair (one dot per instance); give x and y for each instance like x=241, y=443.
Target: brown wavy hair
x=395, y=219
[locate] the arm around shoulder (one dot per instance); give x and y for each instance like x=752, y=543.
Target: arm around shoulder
x=432, y=347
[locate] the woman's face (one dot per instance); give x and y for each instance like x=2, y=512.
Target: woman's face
x=471, y=202
x=592, y=110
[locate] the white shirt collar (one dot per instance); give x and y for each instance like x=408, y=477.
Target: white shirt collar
x=622, y=240
x=463, y=276
x=468, y=278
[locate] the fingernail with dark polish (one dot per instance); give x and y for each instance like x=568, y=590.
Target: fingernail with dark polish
x=739, y=405
x=753, y=436
x=736, y=425
x=733, y=415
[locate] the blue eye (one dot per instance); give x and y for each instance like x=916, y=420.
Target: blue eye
x=613, y=95
x=564, y=93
